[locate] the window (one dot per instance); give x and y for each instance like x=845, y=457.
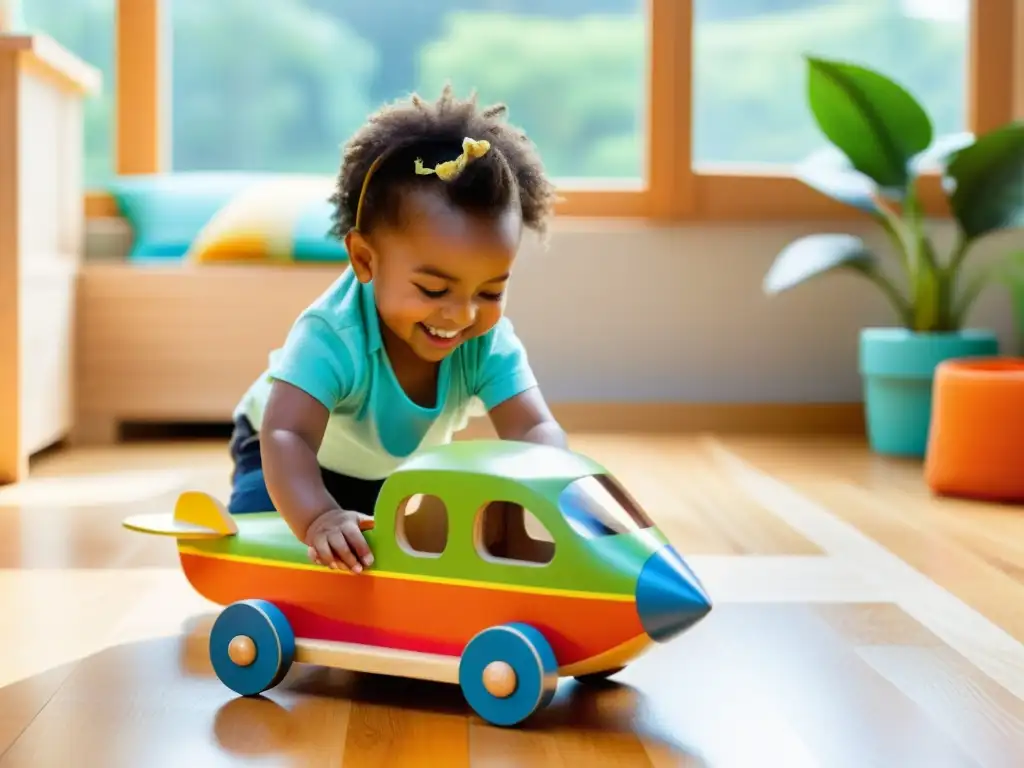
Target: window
x=421, y=525
x=86, y=28
x=716, y=86
x=507, y=532
x=750, y=103
x=283, y=88
x=598, y=506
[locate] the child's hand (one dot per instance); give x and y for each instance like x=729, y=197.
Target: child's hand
x=337, y=537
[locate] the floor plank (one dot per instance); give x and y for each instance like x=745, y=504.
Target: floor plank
x=980, y=715
x=970, y=605
x=858, y=622
x=776, y=684
x=695, y=505
x=876, y=624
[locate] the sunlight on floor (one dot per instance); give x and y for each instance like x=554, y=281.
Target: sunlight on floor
x=95, y=490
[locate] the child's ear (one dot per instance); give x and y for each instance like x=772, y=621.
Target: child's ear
x=360, y=255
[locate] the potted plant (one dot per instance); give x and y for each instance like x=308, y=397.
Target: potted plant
x=881, y=143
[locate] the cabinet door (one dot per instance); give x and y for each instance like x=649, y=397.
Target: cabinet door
x=41, y=227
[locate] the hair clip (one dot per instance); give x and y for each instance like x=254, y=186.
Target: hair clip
x=471, y=150
x=450, y=169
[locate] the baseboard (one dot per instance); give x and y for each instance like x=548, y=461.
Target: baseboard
x=722, y=418
x=644, y=418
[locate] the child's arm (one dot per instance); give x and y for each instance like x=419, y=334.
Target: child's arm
x=526, y=417
x=293, y=428
x=523, y=417
x=313, y=373
x=508, y=388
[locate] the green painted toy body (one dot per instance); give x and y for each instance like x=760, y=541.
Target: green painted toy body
x=609, y=584
x=467, y=476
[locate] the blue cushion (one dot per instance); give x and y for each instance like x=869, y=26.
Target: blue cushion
x=311, y=239
x=167, y=211
x=285, y=219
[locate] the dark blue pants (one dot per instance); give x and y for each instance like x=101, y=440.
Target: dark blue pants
x=249, y=489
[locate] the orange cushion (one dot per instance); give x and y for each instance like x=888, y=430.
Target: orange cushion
x=976, y=437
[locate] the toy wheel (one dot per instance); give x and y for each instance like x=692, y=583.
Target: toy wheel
x=597, y=678
x=507, y=673
x=252, y=646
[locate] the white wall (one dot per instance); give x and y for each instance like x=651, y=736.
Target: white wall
x=622, y=310
x=630, y=311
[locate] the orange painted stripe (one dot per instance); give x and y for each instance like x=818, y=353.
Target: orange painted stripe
x=376, y=573
x=414, y=615
x=613, y=658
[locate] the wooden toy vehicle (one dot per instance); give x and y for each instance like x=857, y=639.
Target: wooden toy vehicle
x=492, y=608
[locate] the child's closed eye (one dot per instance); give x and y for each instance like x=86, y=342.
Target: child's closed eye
x=432, y=294
x=436, y=294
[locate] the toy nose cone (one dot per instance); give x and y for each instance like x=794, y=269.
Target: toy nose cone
x=669, y=597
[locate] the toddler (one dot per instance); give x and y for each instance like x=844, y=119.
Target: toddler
x=431, y=203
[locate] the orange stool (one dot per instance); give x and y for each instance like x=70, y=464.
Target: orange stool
x=976, y=437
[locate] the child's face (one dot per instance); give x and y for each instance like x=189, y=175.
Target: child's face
x=440, y=279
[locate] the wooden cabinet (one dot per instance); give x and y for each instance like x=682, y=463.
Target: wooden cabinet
x=42, y=88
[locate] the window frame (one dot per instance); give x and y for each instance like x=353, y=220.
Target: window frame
x=480, y=548
x=580, y=487
x=673, y=189
x=402, y=537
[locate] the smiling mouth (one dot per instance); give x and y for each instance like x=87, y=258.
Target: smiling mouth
x=441, y=336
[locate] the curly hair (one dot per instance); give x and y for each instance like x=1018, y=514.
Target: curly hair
x=412, y=129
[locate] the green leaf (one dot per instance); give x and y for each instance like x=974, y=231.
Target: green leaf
x=830, y=172
x=986, y=182
x=815, y=255
x=871, y=118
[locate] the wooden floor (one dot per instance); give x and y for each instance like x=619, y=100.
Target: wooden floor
x=858, y=622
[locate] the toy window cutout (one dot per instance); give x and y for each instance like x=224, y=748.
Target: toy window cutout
x=421, y=525
x=506, y=532
x=598, y=506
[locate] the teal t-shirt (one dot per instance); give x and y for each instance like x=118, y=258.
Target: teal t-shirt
x=335, y=353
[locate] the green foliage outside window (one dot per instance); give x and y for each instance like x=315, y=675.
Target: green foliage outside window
x=281, y=89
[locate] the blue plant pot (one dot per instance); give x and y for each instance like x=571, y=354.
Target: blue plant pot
x=897, y=367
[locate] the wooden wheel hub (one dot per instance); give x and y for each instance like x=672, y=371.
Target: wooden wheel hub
x=499, y=679
x=242, y=650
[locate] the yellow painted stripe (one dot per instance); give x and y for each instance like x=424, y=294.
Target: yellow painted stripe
x=411, y=577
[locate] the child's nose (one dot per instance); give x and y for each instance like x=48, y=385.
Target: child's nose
x=462, y=313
